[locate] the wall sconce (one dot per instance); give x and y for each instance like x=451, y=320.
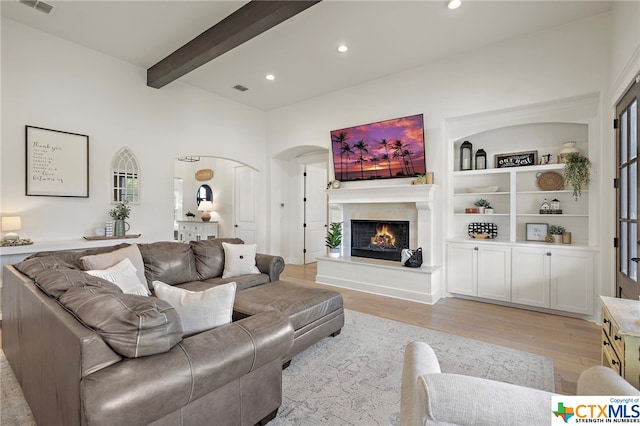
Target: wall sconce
x=481, y=159
x=11, y=223
x=466, y=153
x=205, y=207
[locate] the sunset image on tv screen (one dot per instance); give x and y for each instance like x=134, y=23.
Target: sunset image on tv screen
x=382, y=150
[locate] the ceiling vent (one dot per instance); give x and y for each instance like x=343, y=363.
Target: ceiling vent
x=240, y=88
x=38, y=5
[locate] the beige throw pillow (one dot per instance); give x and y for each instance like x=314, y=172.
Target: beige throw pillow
x=239, y=259
x=122, y=274
x=106, y=260
x=199, y=310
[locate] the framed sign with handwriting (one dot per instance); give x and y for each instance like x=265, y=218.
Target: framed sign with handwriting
x=57, y=163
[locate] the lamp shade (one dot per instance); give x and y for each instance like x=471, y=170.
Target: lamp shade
x=205, y=207
x=11, y=223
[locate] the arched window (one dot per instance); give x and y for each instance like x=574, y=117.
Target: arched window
x=126, y=177
x=204, y=194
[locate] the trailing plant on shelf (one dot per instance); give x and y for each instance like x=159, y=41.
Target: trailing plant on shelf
x=577, y=173
x=190, y=214
x=556, y=229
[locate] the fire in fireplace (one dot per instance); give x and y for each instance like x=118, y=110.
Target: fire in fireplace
x=379, y=239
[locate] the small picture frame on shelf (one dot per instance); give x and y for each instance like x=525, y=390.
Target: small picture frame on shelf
x=516, y=159
x=537, y=231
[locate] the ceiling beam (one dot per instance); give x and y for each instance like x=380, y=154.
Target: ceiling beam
x=252, y=19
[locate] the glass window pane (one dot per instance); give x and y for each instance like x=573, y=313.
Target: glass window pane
x=633, y=251
x=633, y=190
x=633, y=129
x=624, y=204
x=624, y=238
x=623, y=138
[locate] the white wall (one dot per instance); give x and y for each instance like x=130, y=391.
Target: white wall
x=558, y=63
x=49, y=82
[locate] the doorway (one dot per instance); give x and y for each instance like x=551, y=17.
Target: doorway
x=627, y=196
x=315, y=210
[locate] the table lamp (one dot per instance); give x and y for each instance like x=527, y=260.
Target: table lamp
x=205, y=207
x=11, y=223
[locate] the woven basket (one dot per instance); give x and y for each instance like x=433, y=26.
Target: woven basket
x=550, y=181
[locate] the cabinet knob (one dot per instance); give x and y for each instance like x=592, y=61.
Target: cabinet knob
x=475, y=248
x=605, y=343
x=548, y=253
x=635, y=259
x=606, y=321
x=614, y=362
x=616, y=337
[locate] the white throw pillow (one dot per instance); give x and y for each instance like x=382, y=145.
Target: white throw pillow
x=199, y=310
x=239, y=259
x=106, y=260
x=123, y=274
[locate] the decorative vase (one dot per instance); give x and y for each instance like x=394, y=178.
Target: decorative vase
x=567, y=148
x=481, y=210
x=334, y=252
x=120, y=227
x=488, y=211
x=566, y=238
x=557, y=239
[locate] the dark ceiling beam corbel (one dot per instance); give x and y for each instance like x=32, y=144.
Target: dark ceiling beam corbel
x=247, y=22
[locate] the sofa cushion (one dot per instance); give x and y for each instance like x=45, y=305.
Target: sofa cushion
x=123, y=274
x=32, y=266
x=133, y=326
x=106, y=260
x=199, y=310
x=73, y=256
x=239, y=259
x=169, y=262
x=209, y=256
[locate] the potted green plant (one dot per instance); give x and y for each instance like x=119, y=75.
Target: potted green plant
x=119, y=213
x=556, y=232
x=577, y=173
x=190, y=215
x=333, y=240
x=482, y=205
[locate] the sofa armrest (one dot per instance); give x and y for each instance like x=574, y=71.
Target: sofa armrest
x=603, y=381
x=270, y=265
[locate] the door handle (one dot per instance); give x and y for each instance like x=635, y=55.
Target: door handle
x=635, y=259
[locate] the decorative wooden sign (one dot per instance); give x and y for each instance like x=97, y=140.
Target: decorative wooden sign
x=204, y=175
x=516, y=159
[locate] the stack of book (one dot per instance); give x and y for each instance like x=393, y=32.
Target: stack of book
x=108, y=229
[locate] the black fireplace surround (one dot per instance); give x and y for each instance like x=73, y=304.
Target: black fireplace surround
x=379, y=239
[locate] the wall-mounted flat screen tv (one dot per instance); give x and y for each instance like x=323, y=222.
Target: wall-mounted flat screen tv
x=383, y=150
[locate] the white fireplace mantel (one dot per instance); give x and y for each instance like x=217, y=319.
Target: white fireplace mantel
x=385, y=277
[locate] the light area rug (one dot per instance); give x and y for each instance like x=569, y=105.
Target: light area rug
x=354, y=378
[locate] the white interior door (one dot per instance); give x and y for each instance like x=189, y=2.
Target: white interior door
x=315, y=211
x=245, y=191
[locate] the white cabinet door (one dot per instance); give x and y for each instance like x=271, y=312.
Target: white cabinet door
x=494, y=272
x=462, y=275
x=572, y=281
x=530, y=276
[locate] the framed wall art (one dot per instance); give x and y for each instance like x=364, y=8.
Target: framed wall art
x=537, y=231
x=57, y=163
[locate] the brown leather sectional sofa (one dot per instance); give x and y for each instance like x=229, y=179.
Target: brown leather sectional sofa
x=85, y=353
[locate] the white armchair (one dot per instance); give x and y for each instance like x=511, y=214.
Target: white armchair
x=429, y=396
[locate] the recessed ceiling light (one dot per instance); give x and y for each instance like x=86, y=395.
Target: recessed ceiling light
x=343, y=48
x=454, y=4
x=270, y=77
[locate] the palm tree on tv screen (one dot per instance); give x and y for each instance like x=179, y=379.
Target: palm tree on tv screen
x=347, y=151
x=340, y=139
x=362, y=147
x=385, y=156
x=409, y=154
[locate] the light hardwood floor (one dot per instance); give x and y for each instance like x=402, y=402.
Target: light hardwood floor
x=572, y=343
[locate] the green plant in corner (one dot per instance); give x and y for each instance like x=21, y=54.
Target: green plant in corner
x=121, y=211
x=334, y=235
x=190, y=214
x=577, y=173
x=556, y=230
